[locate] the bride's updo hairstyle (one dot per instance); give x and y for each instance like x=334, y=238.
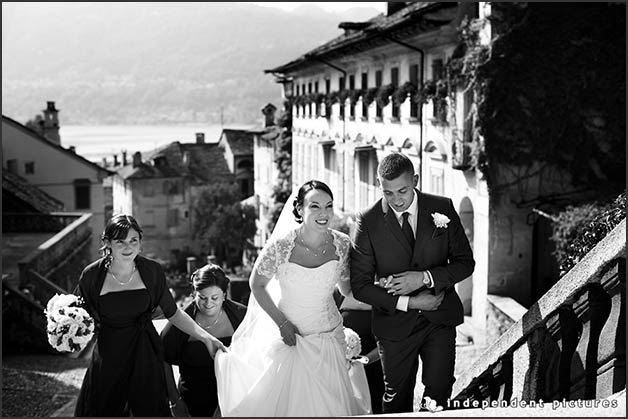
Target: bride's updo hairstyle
x=303, y=190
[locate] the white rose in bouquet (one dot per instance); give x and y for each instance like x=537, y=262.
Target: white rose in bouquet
x=354, y=345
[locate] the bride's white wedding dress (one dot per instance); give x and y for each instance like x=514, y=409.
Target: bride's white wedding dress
x=262, y=376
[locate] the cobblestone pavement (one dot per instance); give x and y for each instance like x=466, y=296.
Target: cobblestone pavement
x=39, y=385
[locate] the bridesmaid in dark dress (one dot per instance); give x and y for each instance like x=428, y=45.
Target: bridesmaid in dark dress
x=122, y=292
x=196, y=393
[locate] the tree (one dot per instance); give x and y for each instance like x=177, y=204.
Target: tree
x=283, y=159
x=549, y=95
x=222, y=223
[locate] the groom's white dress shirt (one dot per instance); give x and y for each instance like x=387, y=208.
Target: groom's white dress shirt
x=413, y=210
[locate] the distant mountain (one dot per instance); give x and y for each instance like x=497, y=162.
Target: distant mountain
x=145, y=63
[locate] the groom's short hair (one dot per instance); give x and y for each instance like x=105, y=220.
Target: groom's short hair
x=394, y=165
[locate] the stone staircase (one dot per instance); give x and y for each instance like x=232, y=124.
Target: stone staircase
x=569, y=346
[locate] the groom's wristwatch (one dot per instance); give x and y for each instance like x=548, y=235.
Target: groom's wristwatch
x=426, y=279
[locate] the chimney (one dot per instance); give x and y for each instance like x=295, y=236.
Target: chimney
x=123, y=157
x=115, y=160
x=394, y=6
x=269, y=115
x=51, y=123
x=137, y=159
x=72, y=149
x=200, y=138
x=104, y=162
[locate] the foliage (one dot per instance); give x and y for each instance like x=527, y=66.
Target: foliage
x=274, y=213
x=283, y=160
x=285, y=117
x=299, y=100
x=355, y=94
x=431, y=90
x=383, y=95
x=549, y=91
x=369, y=95
x=342, y=96
x=331, y=98
x=222, y=223
x=316, y=98
x=579, y=228
x=402, y=92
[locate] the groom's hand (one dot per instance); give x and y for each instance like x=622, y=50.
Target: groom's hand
x=404, y=283
x=426, y=301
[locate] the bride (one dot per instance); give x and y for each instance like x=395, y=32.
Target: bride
x=287, y=358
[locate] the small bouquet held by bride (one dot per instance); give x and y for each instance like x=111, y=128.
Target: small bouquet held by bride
x=70, y=327
x=354, y=345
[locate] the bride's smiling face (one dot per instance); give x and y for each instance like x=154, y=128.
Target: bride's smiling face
x=318, y=209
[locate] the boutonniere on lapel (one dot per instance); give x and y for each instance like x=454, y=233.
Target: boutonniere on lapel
x=440, y=221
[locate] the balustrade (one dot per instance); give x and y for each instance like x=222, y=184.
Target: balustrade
x=54, y=252
x=568, y=345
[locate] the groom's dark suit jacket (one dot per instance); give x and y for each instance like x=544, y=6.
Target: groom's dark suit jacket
x=380, y=249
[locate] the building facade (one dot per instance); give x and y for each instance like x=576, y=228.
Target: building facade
x=353, y=103
x=59, y=172
x=160, y=189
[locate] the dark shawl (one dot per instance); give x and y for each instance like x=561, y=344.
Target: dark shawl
x=174, y=339
x=152, y=273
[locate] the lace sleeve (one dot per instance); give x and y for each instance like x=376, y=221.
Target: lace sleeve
x=343, y=244
x=266, y=263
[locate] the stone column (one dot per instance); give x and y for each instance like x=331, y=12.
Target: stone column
x=611, y=356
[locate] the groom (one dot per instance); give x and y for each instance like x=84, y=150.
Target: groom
x=409, y=249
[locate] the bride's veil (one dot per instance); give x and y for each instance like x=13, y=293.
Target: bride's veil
x=239, y=369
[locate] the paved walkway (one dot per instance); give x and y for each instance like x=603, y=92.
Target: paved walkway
x=48, y=386
x=68, y=374
x=39, y=385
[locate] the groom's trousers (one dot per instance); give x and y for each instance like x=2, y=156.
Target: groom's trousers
x=436, y=346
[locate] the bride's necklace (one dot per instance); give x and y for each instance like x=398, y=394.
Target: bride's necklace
x=307, y=249
x=215, y=321
x=128, y=280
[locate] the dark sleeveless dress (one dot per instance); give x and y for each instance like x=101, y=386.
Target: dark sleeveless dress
x=126, y=374
x=197, y=378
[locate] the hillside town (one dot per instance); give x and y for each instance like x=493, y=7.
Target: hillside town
x=542, y=322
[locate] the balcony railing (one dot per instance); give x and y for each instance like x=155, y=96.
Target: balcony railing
x=568, y=345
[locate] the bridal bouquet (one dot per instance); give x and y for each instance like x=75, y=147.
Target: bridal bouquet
x=70, y=327
x=354, y=347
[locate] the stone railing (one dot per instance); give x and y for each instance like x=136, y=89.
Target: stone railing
x=41, y=289
x=569, y=345
x=37, y=222
x=58, y=249
x=23, y=322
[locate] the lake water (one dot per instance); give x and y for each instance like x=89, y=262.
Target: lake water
x=96, y=142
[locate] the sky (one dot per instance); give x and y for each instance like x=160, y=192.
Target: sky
x=331, y=6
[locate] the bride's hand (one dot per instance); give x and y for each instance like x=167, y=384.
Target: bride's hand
x=289, y=333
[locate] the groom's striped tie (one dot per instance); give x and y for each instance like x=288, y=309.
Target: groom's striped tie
x=407, y=230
